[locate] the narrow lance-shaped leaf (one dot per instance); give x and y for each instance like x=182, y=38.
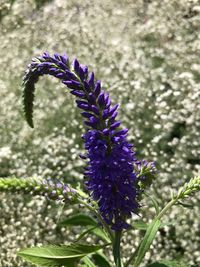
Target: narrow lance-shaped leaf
x=87, y=262
x=57, y=255
x=147, y=240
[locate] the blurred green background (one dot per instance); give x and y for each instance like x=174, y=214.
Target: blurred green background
x=147, y=55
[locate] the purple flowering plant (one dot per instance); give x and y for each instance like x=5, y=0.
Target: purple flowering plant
x=115, y=179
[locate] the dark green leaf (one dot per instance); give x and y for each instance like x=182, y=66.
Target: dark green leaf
x=79, y=220
x=88, y=262
x=100, y=260
x=53, y=256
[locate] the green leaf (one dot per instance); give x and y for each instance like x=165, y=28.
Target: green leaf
x=97, y=231
x=100, y=233
x=84, y=233
x=147, y=240
x=79, y=220
x=53, y=256
x=154, y=202
x=140, y=225
x=88, y=262
x=101, y=260
x=167, y=263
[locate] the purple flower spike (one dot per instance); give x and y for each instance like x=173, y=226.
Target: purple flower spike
x=113, y=174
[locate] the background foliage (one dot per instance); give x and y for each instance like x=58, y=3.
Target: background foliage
x=147, y=55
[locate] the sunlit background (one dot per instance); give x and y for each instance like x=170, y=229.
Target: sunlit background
x=147, y=55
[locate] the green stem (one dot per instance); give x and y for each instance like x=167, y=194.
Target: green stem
x=166, y=208
x=116, y=249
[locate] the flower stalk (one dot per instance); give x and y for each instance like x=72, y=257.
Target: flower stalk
x=116, y=249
